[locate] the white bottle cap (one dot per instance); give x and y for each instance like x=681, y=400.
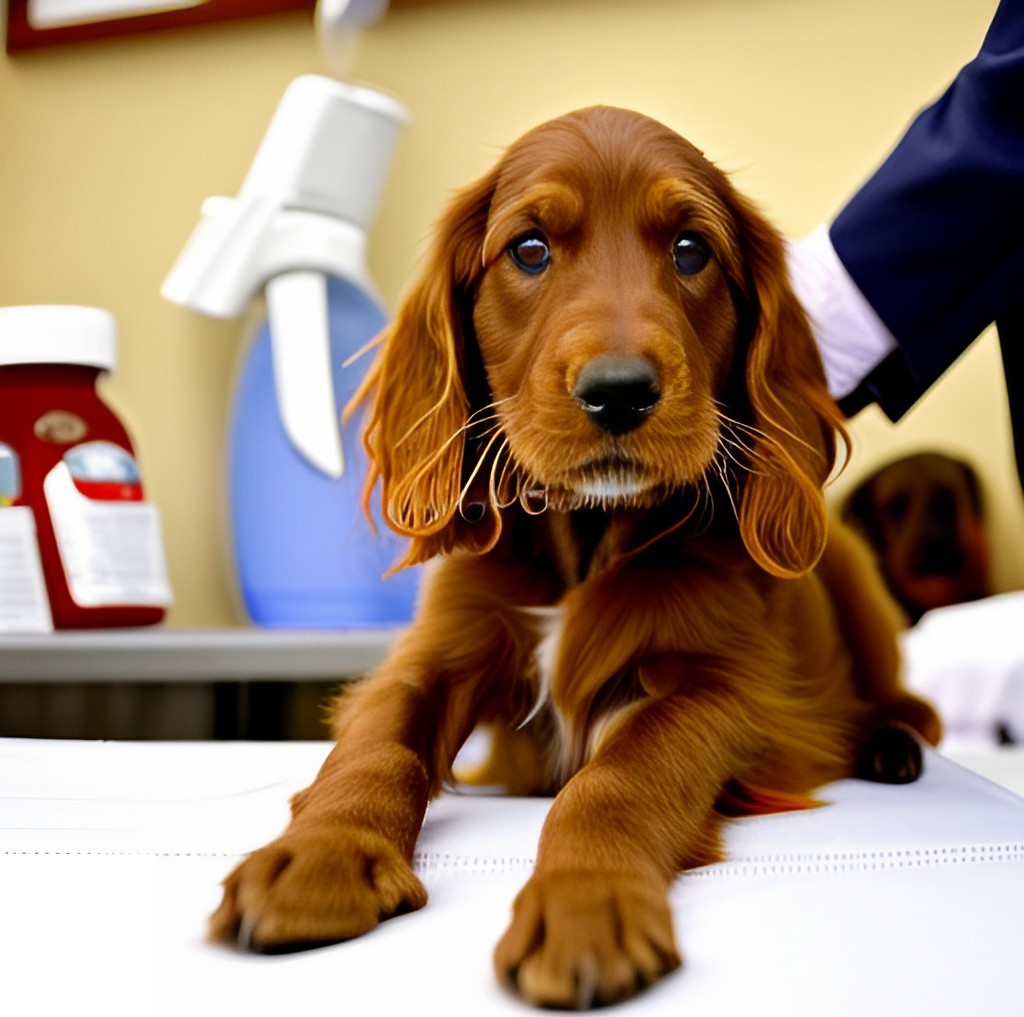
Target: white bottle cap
x=327, y=149
x=58, y=334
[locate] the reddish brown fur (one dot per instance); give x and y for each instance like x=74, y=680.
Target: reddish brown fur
x=671, y=647
x=923, y=516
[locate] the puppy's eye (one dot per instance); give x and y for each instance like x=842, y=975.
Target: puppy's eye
x=531, y=252
x=690, y=253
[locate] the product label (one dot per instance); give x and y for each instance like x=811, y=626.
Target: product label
x=109, y=539
x=104, y=471
x=10, y=475
x=60, y=427
x=24, y=606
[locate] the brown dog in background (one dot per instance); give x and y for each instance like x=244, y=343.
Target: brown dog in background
x=602, y=412
x=923, y=516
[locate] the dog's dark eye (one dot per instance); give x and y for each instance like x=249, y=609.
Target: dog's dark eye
x=531, y=252
x=895, y=510
x=690, y=253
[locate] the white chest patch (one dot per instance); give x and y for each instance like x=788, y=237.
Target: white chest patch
x=550, y=625
x=546, y=660
x=612, y=487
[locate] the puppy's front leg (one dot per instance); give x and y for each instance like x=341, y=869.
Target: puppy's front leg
x=593, y=923
x=343, y=864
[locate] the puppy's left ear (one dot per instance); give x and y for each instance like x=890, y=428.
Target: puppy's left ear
x=419, y=389
x=782, y=514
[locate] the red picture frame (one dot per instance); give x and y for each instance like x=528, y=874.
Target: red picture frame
x=21, y=34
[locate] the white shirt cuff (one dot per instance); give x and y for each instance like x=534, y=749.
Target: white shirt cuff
x=851, y=337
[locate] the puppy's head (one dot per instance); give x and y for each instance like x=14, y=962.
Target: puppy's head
x=923, y=516
x=602, y=321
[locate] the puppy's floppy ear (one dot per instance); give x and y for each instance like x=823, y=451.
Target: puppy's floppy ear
x=782, y=515
x=418, y=386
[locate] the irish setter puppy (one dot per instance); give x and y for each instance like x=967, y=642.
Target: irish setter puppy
x=601, y=410
x=924, y=517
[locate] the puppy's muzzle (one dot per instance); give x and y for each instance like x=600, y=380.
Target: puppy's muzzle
x=617, y=393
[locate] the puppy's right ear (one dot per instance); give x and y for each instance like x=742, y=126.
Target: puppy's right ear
x=417, y=384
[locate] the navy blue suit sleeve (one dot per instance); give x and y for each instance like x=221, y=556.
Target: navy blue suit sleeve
x=935, y=238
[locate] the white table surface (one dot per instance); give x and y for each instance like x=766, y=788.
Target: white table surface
x=892, y=901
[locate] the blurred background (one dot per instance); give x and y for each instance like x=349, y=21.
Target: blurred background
x=109, y=147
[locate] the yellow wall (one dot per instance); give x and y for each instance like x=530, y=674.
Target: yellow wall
x=107, y=150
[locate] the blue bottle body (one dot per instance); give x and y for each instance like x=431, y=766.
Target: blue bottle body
x=305, y=554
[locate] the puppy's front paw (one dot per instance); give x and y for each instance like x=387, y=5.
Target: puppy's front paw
x=579, y=940
x=314, y=886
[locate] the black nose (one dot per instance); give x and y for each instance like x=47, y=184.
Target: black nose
x=617, y=393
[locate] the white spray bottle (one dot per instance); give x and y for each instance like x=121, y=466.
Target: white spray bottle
x=305, y=556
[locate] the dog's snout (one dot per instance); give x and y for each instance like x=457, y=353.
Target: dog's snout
x=617, y=393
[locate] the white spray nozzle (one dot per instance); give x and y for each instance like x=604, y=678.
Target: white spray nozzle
x=306, y=202
x=304, y=207
x=297, y=308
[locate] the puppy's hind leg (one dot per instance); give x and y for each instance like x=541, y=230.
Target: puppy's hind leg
x=891, y=754
x=871, y=622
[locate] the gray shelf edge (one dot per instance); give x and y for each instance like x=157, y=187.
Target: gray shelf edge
x=191, y=655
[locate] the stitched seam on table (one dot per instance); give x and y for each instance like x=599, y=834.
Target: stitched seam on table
x=839, y=863
x=789, y=864
x=115, y=853
x=429, y=863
